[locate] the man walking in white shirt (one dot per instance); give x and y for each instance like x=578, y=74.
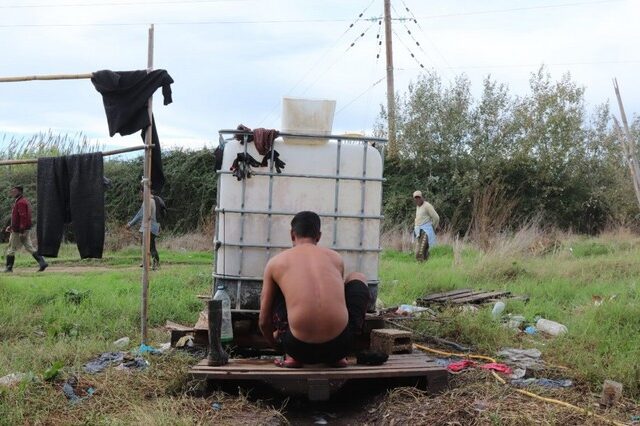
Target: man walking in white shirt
x=426, y=222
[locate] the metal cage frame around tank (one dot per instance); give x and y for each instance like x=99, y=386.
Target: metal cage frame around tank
x=378, y=143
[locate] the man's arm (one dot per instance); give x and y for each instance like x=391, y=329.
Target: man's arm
x=137, y=218
x=435, y=219
x=266, y=305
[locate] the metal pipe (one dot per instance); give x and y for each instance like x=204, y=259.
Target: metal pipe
x=282, y=213
x=336, y=193
x=244, y=190
x=307, y=176
x=273, y=246
x=239, y=278
x=308, y=136
x=270, y=202
x=362, y=200
x=217, y=233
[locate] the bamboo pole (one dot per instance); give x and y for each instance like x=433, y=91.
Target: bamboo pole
x=146, y=202
x=104, y=154
x=46, y=77
x=627, y=159
x=629, y=145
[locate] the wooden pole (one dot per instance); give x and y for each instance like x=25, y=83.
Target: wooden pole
x=146, y=202
x=627, y=159
x=46, y=77
x=629, y=145
x=104, y=154
x=391, y=99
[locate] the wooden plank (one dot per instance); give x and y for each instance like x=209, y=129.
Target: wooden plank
x=413, y=365
x=480, y=297
x=175, y=326
x=327, y=374
x=267, y=369
x=436, y=296
x=414, y=358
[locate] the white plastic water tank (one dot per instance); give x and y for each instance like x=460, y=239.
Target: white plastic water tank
x=339, y=180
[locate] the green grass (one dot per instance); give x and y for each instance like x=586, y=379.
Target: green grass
x=41, y=325
x=603, y=341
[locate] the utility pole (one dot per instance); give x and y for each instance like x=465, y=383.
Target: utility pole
x=391, y=94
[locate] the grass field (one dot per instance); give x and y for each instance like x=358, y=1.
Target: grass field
x=40, y=325
x=603, y=341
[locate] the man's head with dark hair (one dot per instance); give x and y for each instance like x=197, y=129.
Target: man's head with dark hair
x=16, y=191
x=305, y=225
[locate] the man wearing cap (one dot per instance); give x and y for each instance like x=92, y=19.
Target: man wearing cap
x=20, y=230
x=424, y=227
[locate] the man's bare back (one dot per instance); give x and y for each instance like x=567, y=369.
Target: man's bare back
x=311, y=280
x=308, y=309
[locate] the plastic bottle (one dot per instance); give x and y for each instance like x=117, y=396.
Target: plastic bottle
x=226, y=332
x=497, y=309
x=551, y=327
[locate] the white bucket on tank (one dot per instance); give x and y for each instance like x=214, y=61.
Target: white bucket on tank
x=309, y=116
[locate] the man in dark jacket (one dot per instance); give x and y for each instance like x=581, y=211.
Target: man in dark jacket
x=20, y=230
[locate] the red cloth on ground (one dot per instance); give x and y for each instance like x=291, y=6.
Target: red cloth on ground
x=455, y=367
x=500, y=368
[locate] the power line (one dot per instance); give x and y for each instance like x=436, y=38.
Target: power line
x=361, y=95
x=408, y=50
x=532, y=65
x=214, y=22
x=316, y=63
x=516, y=9
x=294, y=21
x=126, y=3
x=424, y=33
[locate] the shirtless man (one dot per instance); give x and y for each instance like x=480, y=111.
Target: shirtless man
x=308, y=309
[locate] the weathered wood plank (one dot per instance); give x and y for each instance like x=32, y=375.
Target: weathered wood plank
x=481, y=297
x=447, y=294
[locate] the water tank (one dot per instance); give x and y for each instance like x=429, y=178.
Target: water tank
x=338, y=177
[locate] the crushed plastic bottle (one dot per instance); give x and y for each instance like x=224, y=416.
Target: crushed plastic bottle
x=226, y=331
x=497, y=310
x=551, y=327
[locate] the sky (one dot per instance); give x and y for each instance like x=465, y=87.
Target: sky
x=234, y=60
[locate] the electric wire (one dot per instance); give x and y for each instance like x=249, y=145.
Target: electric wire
x=586, y=411
x=127, y=3
x=408, y=50
x=294, y=21
x=316, y=63
x=517, y=9
x=367, y=90
x=447, y=66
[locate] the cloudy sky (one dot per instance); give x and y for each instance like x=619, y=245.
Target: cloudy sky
x=234, y=60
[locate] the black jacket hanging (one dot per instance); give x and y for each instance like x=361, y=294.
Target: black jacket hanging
x=125, y=95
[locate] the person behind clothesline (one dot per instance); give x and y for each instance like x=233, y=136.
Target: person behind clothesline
x=424, y=227
x=155, y=228
x=20, y=230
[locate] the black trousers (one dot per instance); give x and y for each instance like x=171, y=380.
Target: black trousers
x=71, y=190
x=357, y=300
x=152, y=249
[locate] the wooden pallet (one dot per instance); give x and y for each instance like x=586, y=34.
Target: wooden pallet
x=461, y=296
x=318, y=382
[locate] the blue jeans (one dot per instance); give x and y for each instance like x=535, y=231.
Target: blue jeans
x=428, y=229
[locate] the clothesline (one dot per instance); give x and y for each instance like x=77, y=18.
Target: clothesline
x=46, y=77
x=104, y=154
